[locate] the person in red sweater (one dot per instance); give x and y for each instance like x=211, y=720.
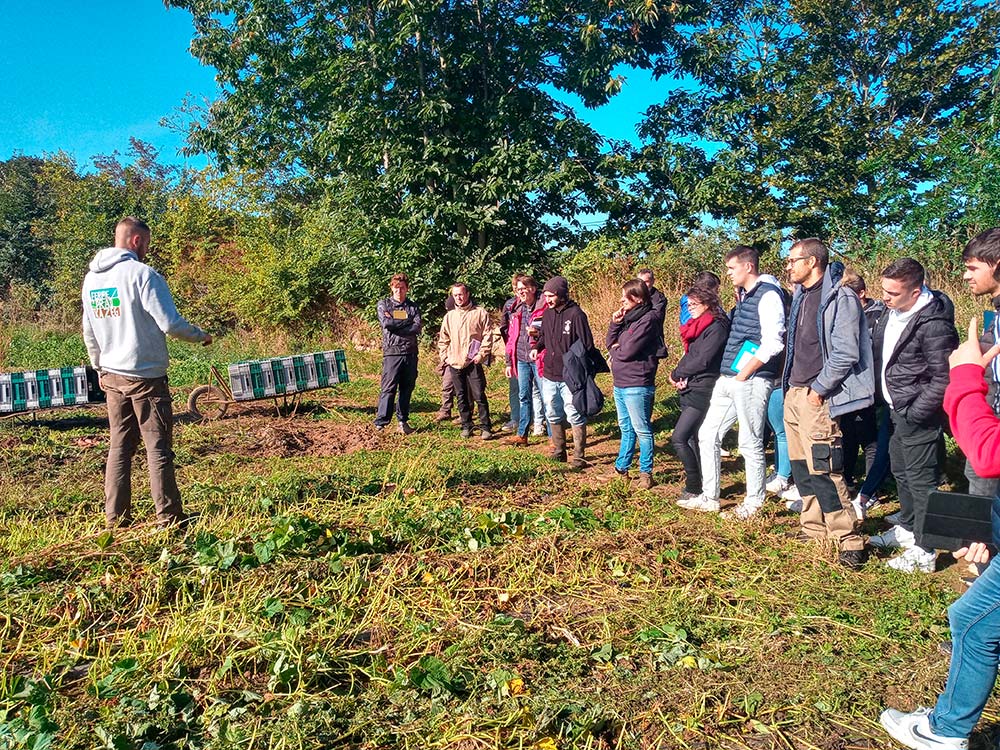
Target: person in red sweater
x=975, y=617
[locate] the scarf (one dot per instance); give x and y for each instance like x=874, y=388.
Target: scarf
x=694, y=328
x=634, y=314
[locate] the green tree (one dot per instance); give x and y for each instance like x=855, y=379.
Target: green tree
x=24, y=256
x=798, y=116
x=84, y=209
x=428, y=133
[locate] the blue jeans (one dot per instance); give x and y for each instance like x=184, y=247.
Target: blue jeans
x=512, y=398
x=880, y=467
x=635, y=418
x=975, y=648
x=776, y=418
x=527, y=384
x=558, y=401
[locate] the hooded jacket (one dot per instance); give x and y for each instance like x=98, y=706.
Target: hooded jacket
x=847, y=378
x=633, y=350
x=561, y=327
x=916, y=372
x=127, y=315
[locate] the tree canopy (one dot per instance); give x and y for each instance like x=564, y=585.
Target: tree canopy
x=431, y=127
x=806, y=116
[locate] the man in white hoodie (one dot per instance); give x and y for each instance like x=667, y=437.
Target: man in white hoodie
x=127, y=314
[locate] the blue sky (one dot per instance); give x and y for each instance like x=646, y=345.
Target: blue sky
x=83, y=77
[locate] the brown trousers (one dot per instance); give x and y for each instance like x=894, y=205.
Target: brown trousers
x=140, y=408
x=816, y=455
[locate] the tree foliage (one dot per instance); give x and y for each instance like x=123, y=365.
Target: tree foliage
x=24, y=257
x=798, y=116
x=429, y=131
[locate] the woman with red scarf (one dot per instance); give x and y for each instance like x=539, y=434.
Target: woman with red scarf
x=704, y=336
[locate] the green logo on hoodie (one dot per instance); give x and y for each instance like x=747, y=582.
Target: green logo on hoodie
x=104, y=303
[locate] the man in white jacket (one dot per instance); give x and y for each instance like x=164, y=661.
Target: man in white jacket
x=127, y=314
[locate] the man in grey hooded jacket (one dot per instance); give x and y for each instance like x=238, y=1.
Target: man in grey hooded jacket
x=828, y=372
x=127, y=314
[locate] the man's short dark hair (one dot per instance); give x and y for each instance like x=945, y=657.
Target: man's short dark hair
x=812, y=247
x=985, y=247
x=744, y=254
x=907, y=271
x=458, y=284
x=644, y=271
x=133, y=224
x=398, y=279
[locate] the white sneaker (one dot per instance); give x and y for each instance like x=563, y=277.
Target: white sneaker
x=792, y=493
x=914, y=560
x=914, y=730
x=742, y=512
x=539, y=430
x=794, y=505
x=897, y=536
x=859, y=508
x=702, y=503
x=776, y=484
x=892, y=518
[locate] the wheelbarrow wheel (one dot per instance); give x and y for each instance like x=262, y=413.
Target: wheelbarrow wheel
x=207, y=402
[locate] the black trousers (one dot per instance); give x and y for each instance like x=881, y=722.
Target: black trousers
x=399, y=373
x=859, y=429
x=470, y=385
x=913, y=452
x=694, y=406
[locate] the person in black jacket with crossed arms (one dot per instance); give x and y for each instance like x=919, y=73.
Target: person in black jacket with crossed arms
x=401, y=324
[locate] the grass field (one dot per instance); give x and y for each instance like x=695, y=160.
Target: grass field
x=343, y=588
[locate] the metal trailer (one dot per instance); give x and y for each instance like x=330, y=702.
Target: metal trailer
x=279, y=377
x=35, y=390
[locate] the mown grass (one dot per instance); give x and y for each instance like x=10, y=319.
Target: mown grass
x=342, y=589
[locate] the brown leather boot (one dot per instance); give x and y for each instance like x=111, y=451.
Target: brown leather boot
x=558, y=442
x=579, y=446
x=517, y=440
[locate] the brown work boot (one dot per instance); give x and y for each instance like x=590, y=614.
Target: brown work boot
x=645, y=481
x=442, y=416
x=517, y=440
x=579, y=446
x=558, y=442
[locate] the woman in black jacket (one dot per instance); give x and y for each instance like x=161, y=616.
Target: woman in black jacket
x=634, y=342
x=704, y=337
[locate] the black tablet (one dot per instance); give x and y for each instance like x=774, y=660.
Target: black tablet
x=954, y=520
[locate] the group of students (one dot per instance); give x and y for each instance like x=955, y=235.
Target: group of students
x=825, y=368
x=828, y=369
x=813, y=366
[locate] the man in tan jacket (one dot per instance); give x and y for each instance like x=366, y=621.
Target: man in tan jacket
x=465, y=341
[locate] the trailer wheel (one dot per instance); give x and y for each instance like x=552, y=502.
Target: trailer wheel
x=207, y=402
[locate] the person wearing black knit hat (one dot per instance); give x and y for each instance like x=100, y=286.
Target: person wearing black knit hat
x=562, y=324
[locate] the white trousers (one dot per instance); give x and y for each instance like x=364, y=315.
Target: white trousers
x=746, y=403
